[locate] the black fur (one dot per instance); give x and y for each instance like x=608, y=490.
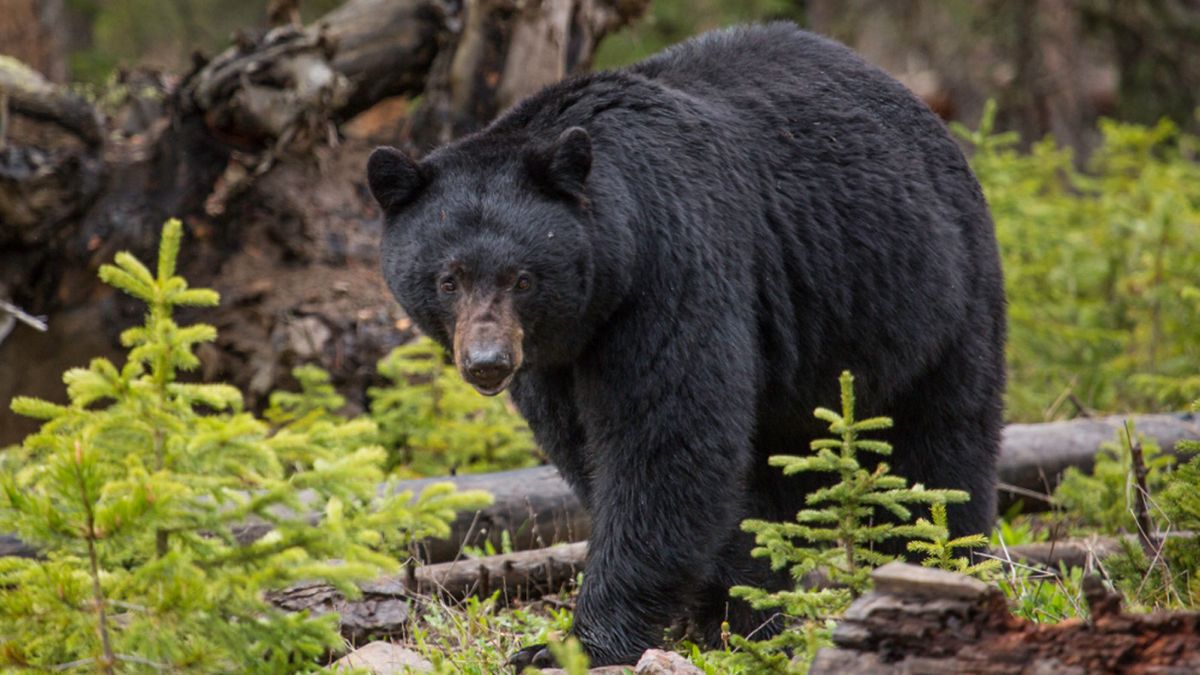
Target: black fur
x=757, y=209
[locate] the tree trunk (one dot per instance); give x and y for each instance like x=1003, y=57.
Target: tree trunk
x=246, y=149
x=30, y=32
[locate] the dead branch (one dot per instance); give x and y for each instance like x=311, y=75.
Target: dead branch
x=30, y=94
x=386, y=603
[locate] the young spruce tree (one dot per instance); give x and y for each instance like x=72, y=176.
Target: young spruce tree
x=434, y=423
x=133, y=493
x=837, y=535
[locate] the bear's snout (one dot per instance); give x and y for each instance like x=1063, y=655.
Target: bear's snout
x=488, y=368
x=487, y=341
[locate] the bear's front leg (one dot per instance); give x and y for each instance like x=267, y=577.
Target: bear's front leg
x=669, y=435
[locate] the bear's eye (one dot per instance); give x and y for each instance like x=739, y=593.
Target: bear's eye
x=524, y=283
x=448, y=285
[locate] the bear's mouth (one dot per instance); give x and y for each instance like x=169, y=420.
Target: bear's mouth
x=490, y=389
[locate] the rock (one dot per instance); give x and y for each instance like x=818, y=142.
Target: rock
x=899, y=578
x=653, y=662
x=381, y=611
x=659, y=662
x=307, y=337
x=601, y=670
x=384, y=658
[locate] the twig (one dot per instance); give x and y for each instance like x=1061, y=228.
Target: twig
x=35, y=322
x=1141, y=510
x=108, y=660
x=1024, y=492
x=1080, y=407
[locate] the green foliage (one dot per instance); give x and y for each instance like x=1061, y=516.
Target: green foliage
x=838, y=533
x=1104, y=499
x=1099, y=265
x=1180, y=502
x=669, y=21
x=570, y=656
x=1045, y=597
x=1169, y=579
x=1014, y=529
x=434, y=423
x=939, y=548
x=132, y=492
x=160, y=34
x=846, y=520
x=316, y=401
x=478, y=636
x=789, y=652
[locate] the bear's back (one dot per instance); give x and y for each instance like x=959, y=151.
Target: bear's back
x=779, y=64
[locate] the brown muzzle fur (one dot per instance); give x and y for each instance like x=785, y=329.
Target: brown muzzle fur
x=487, y=340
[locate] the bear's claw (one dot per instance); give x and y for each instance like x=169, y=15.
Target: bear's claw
x=538, y=656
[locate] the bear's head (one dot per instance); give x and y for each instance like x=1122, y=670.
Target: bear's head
x=486, y=246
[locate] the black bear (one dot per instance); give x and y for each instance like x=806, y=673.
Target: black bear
x=670, y=264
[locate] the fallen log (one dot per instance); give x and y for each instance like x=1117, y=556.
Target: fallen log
x=1086, y=553
x=1034, y=456
x=386, y=604
x=930, y=621
x=534, y=508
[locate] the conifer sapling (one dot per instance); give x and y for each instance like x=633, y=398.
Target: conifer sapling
x=134, y=491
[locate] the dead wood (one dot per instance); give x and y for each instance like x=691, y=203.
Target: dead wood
x=28, y=93
x=931, y=621
x=534, y=508
x=1087, y=552
x=387, y=603
x=1034, y=456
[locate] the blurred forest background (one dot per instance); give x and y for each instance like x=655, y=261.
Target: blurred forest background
x=1053, y=65
x=251, y=120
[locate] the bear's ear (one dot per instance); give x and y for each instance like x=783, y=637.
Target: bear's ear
x=395, y=179
x=562, y=166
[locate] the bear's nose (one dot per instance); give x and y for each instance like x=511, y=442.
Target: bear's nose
x=488, y=366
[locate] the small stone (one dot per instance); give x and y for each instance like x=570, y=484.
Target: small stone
x=384, y=658
x=601, y=670
x=307, y=337
x=903, y=579
x=660, y=662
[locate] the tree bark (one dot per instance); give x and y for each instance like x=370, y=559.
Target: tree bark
x=30, y=32
x=386, y=604
x=930, y=621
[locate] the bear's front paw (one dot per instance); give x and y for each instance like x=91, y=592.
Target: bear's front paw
x=538, y=656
